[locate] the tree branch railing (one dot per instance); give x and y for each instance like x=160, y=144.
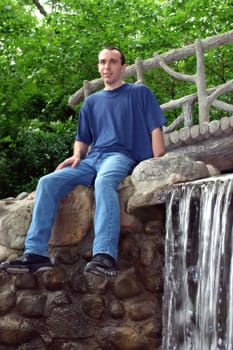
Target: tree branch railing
x=187, y=103
x=204, y=97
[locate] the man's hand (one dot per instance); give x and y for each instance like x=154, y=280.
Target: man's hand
x=80, y=150
x=73, y=161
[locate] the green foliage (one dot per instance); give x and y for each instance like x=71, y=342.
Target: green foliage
x=37, y=150
x=43, y=60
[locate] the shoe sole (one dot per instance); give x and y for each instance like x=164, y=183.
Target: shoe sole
x=99, y=271
x=22, y=270
x=16, y=270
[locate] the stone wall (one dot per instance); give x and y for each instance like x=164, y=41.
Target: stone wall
x=63, y=309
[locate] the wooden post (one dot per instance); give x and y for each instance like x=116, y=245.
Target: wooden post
x=87, y=88
x=203, y=106
x=139, y=70
x=187, y=108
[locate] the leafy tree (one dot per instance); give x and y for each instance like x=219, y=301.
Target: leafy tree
x=44, y=59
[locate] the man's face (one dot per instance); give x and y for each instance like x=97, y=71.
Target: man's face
x=111, y=68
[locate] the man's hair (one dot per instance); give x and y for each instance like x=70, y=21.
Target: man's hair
x=117, y=49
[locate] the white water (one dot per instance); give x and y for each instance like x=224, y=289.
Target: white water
x=198, y=290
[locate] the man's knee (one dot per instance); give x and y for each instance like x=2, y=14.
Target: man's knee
x=46, y=180
x=106, y=183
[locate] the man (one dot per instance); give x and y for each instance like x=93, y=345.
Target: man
x=122, y=123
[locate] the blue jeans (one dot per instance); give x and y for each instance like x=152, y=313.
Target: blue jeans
x=103, y=170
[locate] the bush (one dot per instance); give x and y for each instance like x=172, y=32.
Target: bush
x=37, y=150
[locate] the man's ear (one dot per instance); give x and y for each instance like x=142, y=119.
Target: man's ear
x=123, y=68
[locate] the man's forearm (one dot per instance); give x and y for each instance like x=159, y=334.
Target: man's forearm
x=158, y=145
x=80, y=149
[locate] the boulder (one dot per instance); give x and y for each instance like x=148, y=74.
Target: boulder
x=153, y=177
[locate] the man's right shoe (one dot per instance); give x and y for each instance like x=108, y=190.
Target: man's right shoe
x=102, y=265
x=27, y=263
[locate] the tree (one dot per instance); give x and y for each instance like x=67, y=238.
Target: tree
x=45, y=58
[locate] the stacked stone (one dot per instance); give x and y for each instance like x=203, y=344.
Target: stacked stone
x=64, y=309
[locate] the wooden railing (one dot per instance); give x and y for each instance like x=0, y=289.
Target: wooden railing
x=204, y=97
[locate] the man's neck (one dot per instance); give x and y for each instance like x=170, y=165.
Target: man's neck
x=113, y=86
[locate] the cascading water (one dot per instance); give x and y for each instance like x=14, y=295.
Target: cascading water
x=198, y=289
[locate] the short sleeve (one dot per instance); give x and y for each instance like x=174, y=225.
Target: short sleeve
x=83, y=129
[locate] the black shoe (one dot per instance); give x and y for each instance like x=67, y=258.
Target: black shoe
x=102, y=265
x=27, y=263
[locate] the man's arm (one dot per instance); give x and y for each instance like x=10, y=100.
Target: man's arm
x=80, y=150
x=158, y=146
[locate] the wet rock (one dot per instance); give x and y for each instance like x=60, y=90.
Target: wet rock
x=126, y=285
x=119, y=338
x=96, y=284
x=35, y=344
x=151, y=278
x=58, y=298
x=142, y=310
x=147, y=252
x=7, y=298
x=116, y=309
x=25, y=281
x=15, y=330
x=31, y=305
x=67, y=323
x=54, y=279
x=93, y=306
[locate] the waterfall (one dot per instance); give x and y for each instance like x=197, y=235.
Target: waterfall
x=198, y=286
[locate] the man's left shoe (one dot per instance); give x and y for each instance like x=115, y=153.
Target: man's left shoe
x=27, y=263
x=102, y=265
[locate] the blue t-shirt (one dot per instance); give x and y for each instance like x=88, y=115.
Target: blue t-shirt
x=120, y=120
